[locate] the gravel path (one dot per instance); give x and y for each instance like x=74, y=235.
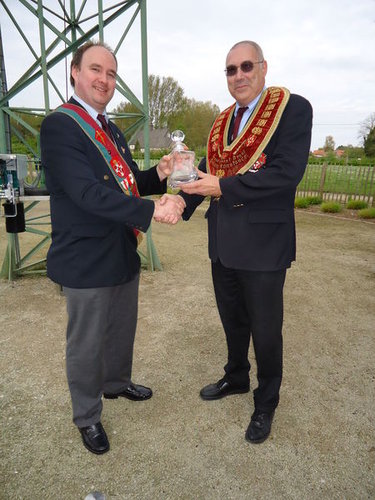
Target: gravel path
x=176, y=446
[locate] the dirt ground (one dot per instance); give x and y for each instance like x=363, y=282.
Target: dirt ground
x=176, y=446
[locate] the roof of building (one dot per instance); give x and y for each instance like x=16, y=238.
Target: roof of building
x=160, y=138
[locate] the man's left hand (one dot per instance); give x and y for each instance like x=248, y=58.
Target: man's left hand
x=207, y=185
x=164, y=167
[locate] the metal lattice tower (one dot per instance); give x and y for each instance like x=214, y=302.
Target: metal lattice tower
x=58, y=28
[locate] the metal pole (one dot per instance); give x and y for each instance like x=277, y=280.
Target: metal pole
x=146, y=126
x=153, y=259
x=43, y=58
x=100, y=20
x=72, y=25
x=8, y=265
x=5, y=143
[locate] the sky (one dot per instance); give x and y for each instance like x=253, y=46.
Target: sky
x=323, y=50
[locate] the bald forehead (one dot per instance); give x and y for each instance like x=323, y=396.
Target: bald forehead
x=244, y=51
x=98, y=51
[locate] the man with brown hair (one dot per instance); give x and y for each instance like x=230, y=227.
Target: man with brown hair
x=97, y=214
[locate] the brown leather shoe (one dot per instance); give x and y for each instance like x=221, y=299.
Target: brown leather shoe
x=94, y=438
x=221, y=389
x=260, y=426
x=133, y=391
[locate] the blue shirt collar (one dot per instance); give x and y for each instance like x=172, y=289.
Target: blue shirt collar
x=251, y=105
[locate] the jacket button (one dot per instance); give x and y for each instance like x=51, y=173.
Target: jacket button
x=106, y=177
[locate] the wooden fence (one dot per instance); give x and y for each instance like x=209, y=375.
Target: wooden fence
x=339, y=183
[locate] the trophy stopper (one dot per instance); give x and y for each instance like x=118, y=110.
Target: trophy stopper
x=183, y=170
x=177, y=137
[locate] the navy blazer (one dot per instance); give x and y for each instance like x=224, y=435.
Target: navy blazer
x=93, y=242
x=251, y=226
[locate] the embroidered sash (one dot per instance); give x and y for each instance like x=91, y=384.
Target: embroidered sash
x=245, y=153
x=115, y=162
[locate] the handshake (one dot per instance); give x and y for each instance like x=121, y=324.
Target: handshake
x=169, y=209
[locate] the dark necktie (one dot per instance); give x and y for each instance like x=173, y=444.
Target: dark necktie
x=237, y=121
x=105, y=125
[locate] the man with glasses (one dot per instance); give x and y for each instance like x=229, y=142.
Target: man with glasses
x=257, y=152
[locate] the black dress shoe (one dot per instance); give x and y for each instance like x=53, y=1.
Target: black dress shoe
x=133, y=391
x=221, y=389
x=260, y=426
x=94, y=438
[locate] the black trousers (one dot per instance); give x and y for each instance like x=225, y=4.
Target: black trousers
x=250, y=304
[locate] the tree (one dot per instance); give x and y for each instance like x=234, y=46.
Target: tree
x=329, y=144
x=127, y=108
x=168, y=107
x=166, y=97
x=367, y=134
x=24, y=140
x=195, y=119
x=369, y=143
x=366, y=127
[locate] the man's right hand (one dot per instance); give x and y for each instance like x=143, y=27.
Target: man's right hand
x=169, y=209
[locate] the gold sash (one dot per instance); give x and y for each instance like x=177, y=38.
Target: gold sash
x=245, y=153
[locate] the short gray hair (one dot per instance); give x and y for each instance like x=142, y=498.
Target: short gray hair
x=257, y=47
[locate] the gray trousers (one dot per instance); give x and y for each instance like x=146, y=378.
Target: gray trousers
x=99, y=349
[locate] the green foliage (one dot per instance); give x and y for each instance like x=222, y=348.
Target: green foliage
x=166, y=98
x=356, y=204
x=366, y=126
x=19, y=147
x=354, y=153
x=195, y=119
x=154, y=155
x=314, y=200
x=168, y=107
x=300, y=202
x=27, y=126
x=131, y=115
x=200, y=152
x=331, y=207
x=304, y=202
x=349, y=179
x=352, y=156
x=367, y=213
x=329, y=144
x=369, y=143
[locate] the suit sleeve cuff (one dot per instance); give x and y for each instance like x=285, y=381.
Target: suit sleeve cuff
x=228, y=189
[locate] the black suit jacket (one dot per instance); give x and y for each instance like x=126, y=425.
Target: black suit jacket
x=93, y=242
x=252, y=225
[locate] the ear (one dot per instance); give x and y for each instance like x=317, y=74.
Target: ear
x=265, y=68
x=74, y=71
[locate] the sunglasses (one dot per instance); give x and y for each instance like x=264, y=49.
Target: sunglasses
x=246, y=67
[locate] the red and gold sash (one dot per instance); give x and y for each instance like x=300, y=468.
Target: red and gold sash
x=246, y=151
x=115, y=162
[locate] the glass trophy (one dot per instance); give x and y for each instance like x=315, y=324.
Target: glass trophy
x=183, y=170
